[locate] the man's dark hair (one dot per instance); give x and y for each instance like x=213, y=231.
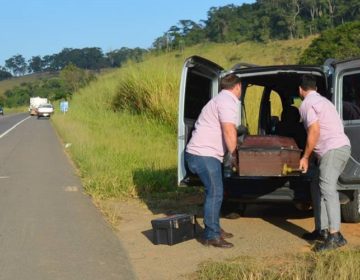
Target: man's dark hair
x=308, y=82
x=229, y=81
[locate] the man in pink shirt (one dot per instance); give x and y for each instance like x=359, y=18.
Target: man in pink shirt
x=326, y=138
x=214, y=134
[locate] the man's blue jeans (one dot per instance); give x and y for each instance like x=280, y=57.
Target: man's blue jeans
x=209, y=170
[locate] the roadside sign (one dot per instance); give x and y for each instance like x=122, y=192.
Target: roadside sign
x=64, y=106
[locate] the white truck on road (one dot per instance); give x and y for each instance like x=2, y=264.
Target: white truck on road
x=35, y=102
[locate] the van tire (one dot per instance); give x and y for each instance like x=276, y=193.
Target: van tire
x=303, y=206
x=350, y=211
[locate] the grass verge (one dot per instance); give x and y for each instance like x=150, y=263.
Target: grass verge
x=120, y=155
x=334, y=265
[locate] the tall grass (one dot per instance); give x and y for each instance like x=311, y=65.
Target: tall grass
x=114, y=151
x=122, y=127
x=148, y=88
x=333, y=265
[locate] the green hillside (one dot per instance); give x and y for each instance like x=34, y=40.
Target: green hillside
x=10, y=83
x=122, y=127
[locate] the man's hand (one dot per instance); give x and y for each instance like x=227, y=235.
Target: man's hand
x=304, y=164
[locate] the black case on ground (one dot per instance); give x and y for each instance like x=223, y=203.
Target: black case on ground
x=174, y=229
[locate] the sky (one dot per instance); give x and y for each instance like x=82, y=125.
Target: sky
x=45, y=27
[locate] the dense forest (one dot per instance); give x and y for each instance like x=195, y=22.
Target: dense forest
x=261, y=21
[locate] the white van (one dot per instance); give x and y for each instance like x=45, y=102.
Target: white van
x=339, y=81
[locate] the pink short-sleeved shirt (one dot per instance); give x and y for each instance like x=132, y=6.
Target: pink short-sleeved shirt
x=317, y=108
x=207, y=138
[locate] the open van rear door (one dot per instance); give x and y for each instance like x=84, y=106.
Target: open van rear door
x=346, y=89
x=199, y=83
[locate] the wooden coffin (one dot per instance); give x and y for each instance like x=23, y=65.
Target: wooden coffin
x=268, y=156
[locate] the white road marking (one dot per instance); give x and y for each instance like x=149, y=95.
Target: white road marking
x=4, y=177
x=7, y=131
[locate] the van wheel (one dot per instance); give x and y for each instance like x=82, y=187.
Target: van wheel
x=303, y=206
x=350, y=211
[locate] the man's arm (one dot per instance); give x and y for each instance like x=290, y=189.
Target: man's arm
x=230, y=136
x=313, y=134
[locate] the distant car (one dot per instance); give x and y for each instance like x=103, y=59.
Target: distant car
x=1, y=111
x=44, y=110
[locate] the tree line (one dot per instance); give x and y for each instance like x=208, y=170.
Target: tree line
x=85, y=58
x=261, y=21
x=59, y=86
x=339, y=43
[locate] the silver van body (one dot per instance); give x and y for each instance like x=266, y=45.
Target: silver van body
x=339, y=81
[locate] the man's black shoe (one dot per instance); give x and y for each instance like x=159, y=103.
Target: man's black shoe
x=334, y=240
x=316, y=235
x=218, y=242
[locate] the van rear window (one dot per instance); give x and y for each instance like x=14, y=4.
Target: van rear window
x=351, y=97
x=197, y=94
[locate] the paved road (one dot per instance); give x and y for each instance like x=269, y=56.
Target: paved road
x=49, y=229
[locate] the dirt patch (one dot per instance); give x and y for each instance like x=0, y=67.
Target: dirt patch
x=263, y=231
